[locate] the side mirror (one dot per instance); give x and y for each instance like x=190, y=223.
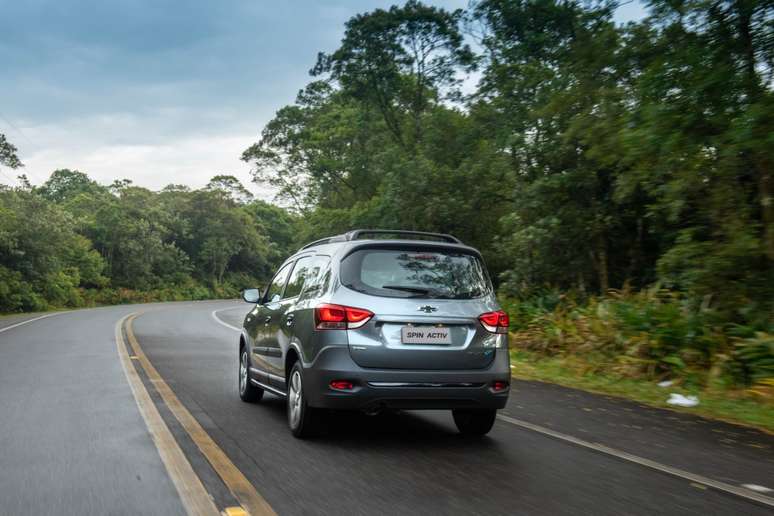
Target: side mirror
x=251, y=295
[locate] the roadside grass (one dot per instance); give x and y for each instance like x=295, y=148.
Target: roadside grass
x=734, y=406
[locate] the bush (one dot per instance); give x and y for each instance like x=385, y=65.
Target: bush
x=651, y=334
x=16, y=295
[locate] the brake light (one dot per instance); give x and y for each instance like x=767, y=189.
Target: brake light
x=338, y=317
x=495, y=322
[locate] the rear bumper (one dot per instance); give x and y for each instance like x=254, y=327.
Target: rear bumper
x=404, y=389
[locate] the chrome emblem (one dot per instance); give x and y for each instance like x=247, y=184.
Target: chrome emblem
x=427, y=309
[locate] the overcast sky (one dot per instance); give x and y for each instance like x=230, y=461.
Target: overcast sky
x=159, y=91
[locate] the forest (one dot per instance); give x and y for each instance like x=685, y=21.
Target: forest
x=617, y=179
x=72, y=242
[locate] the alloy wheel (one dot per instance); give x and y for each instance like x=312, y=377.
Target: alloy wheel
x=243, y=373
x=295, y=399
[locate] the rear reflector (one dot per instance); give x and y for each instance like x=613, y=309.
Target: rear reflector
x=500, y=385
x=495, y=322
x=342, y=385
x=338, y=317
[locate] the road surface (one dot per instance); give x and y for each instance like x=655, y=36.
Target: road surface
x=104, y=414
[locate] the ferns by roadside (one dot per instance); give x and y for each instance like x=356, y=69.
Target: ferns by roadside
x=652, y=335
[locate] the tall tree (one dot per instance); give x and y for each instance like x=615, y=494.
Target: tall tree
x=399, y=60
x=231, y=186
x=552, y=84
x=700, y=141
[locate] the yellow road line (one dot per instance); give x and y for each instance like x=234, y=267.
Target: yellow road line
x=234, y=511
x=194, y=496
x=237, y=483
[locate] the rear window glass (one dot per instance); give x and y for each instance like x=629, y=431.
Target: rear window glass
x=415, y=274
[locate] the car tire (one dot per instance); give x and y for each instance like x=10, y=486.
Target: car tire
x=474, y=422
x=248, y=392
x=303, y=420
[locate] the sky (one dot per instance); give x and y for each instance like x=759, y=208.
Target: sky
x=160, y=91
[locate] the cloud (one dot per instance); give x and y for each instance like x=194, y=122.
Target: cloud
x=157, y=91
x=160, y=153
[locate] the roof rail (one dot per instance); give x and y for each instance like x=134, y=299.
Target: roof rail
x=328, y=240
x=358, y=234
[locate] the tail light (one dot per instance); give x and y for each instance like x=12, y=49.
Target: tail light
x=495, y=322
x=499, y=385
x=337, y=317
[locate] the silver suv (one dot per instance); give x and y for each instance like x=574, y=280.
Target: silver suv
x=376, y=319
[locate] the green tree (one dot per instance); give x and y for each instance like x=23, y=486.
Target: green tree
x=699, y=143
x=399, y=60
x=65, y=184
x=42, y=259
x=231, y=186
x=8, y=156
x=552, y=86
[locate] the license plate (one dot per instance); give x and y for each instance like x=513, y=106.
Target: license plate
x=425, y=335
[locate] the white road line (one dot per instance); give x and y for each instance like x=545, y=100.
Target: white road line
x=720, y=486
x=217, y=319
x=756, y=487
x=30, y=320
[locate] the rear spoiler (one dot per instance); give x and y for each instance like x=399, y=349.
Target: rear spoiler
x=414, y=245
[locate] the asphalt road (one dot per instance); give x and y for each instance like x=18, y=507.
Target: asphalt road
x=73, y=439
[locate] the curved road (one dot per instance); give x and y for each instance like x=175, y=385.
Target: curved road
x=76, y=437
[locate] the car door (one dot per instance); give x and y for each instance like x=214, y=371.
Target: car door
x=253, y=327
x=264, y=316
x=277, y=328
x=315, y=275
x=281, y=327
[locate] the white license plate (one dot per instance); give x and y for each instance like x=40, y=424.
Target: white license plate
x=425, y=335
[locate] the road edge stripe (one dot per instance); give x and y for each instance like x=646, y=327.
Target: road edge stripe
x=195, y=498
x=692, y=477
x=214, y=315
x=232, y=477
x=6, y=328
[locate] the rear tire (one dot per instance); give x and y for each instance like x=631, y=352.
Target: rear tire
x=474, y=422
x=303, y=420
x=248, y=392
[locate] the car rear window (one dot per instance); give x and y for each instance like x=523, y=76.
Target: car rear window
x=432, y=274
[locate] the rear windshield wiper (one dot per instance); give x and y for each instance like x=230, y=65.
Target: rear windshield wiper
x=357, y=289
x=413, y=290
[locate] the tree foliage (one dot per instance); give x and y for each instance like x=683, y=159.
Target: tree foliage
x=74, y=242
x=8, y=154
x=590, y=156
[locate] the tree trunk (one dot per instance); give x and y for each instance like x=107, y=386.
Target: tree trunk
x=599, y=258
x=636, y=255
x=604, y=281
